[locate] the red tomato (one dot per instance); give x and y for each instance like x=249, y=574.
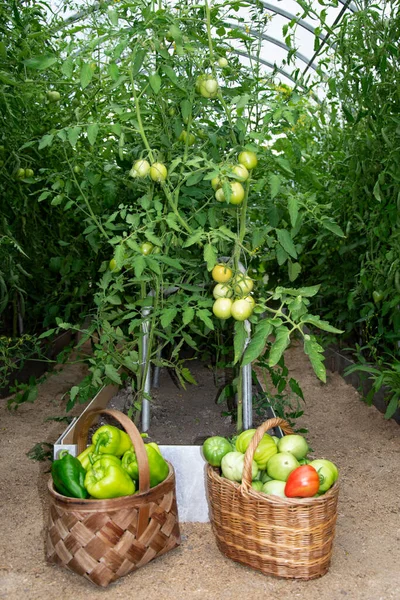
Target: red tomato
x=303, y=482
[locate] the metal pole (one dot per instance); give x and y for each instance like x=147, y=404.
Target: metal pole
x=146, y=370
x=157, y=369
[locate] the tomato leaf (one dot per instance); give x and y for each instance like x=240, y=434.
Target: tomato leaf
x=194, y=238
x=210, y=256
x=170, y=73
x=40, y=63
x=155, y=82
x=139, y=266
x=315, y=354
x=293, y=208
x=294, y=270
x=86, y=75
x=186, y=374
x=275, y=183
x=280, y=344
x=67, y=67
x=257, y=343
x=317, y=322
x=333, y=227
x=92, y=131
x=286, y=242
x=46, y=140
x=188, y=315
x=204, y=315
x=138, y=61
x=113, y=71
x=171, y=262
x=73, y=134
x=168, y=316
x=239, y=340
x=112, y=374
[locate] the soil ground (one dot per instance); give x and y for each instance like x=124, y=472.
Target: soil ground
x=366, y=557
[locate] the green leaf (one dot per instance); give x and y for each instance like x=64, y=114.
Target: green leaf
x=308, y=292
x=114, y=299
x=275, y=183
x=286, y=242
x=112, y=373
x=139, y=266
x=317, y=322
x=293, y=207
x=154, y=266
x=186, y=108
x=279, y=346
x=171, y=262
x=239, y=340
x=257, y=343
x=73, y=135
x=204, y=315
x=194, y=238
x=113, y=16
x=67, y=67
x=113, y=71
x=92, y=131
x=281, y=255
x=315, y=354
x=194, y=179
x=86, y=75
x=138, y=61
x=46, y=140
x=333, y=227
x=168, y=316
x=285, y=165
x=377, y=191
x=186, y=374
x=392, y=406
x=188, y=315
x=294, y=270
x=210, y=256
x=170, y=73
x=40, y=62
x=119, y=255
x=155, y=82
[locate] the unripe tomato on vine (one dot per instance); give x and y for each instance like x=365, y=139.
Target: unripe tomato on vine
x=222, y=308
x=158, y=172
x=141, y=168
x=146, y=248
x=221, y=273
x=207, y=86
x=248, y=159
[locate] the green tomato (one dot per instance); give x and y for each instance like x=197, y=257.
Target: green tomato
x=190, y=138
x=295, y=444
x=241, y=172
x=221, y=273
x=222, y=62
x=377, y=296
x=221, y=290
x=237, y=196
x=265, y=449
x=232, y=466
x=241, y=310
x=20, y=174
x=77, y=169
x=216, y=183
x=325, y=473
x=327, y=463
x=242, y=285
x=141, y=168
x=146, y=248
x=215, y=448
x=257, y=485
x=219, y=195
x=222, y=308
x=112, y=265
x=29, y=173
x=158, y=172
x=281, y=465
x=248, y=159
x=274, y=487
x=53, y=96
x=207, y=86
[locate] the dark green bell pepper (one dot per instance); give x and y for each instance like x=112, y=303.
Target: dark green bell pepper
x=159, y=468
x=69, y=476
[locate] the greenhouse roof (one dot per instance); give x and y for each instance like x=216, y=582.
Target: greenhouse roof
x=293, y=26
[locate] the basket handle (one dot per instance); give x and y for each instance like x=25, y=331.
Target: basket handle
x=81, y=434
x=252, y=447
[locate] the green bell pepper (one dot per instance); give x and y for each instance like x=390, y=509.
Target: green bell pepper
x=111, y=440
x=68, y=476
x=106, y=480
x=159, y=468
x=87, y=458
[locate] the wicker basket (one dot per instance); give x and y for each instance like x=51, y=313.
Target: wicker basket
x=104, y=540
x=278, y=536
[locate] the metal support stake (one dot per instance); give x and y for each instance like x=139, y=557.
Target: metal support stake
x=247, y=394
x=157, y=369
x=146, y=369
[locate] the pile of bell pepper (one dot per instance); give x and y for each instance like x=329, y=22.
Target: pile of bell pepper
x=108, y=468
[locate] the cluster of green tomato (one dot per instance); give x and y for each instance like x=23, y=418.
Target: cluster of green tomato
x=158, y=171
x=247, y=161
x=232, y=294
x=24, y=173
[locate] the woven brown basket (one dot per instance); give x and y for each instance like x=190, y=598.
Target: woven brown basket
x=284, y=537
x=104, y=540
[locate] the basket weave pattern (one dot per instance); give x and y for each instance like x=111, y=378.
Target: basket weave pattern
x=285, y=537
x=103, y=540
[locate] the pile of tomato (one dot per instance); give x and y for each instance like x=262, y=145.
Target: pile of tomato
x=280, y=466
